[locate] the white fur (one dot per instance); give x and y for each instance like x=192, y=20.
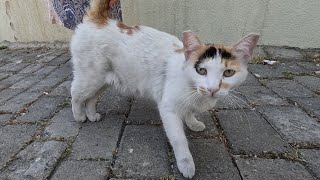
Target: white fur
x=145, y=63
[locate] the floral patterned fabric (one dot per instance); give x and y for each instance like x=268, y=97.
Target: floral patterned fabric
x=69, y=13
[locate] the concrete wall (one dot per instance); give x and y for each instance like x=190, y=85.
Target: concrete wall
x=28, y=20
x=294, y=23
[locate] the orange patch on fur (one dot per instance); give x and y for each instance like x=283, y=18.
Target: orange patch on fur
x=233, y=64
x=224, y=85
x=98, y=12
x=128, y=29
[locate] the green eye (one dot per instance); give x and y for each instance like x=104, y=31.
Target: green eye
x=229, y=73
x=201, y=71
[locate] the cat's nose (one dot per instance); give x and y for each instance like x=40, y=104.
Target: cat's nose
x=212, y=91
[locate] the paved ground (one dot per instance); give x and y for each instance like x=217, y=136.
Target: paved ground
x=271, y=130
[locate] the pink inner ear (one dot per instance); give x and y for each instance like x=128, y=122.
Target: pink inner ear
x=244, y=48
x=190, y=42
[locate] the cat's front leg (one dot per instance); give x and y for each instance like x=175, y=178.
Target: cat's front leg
x=193, y=123
x=173, y=126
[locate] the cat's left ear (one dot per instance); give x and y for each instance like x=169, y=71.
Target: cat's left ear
x=244, y=47
x=190, y=43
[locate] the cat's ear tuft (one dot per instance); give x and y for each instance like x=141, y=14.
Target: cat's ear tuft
x=190, y=43
x=244, y=47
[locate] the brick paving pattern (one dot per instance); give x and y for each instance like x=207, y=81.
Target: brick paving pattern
x=270, y=129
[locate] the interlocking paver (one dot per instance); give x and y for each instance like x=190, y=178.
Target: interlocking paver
x=75, y=170
x=61, y=59
x=211, y=130
x=18, y=102
x=276, y=71
x=36, y=161
x=294, y=124
x=311, y=105
x=310, y=82
x=31, y=68
x=251, y=81
x=260, y=96
x=7, y=94
x=45, y=70
x=143, y=153
x=275, y=169
x=248, y=133
x=63, y=125
x=212, y=161
x=14, y=66
x=12, y=139
x=144, y=112
x=98, y=140
x=289, y=88
x=312, y=159
x=5, y=117
x=42, y=109
x=12, y=79
x=62, y=90
x=112, y=102
x=26, y=82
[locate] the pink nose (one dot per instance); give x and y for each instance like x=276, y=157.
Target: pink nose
x=212, y=91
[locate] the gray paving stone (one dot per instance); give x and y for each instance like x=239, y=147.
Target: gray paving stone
x=251, y=80
x=12, y=139
x=98, y=140
x=260, y=96
x=63, y=71
x=311, y=105
x=234, y=101
x=75, y=170
x=144, y=111
x=7, y=94
x=11, y=67
x=31, y=68
x=61, y=59
x=143, y=153
x=18, y=102
x=63, y=125
x=310, y=82
x=62, y=90
x=46, y=84
x=248, y=133
x=49, y=56
x=36, y=161
x=283, y=53
x=42, y=109
x=5, y=117
x=4, y=75
x=311, y=66
x=113, y=103
x=289, y=88
x=211, y=130
x=275, y=71
x=212, y=161
x=26, y=82
x=312, y=159
x=12, y=79
x=294, y=124
x=45, y=70
x=275, y=169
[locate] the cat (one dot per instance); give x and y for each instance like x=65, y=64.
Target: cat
x=182, y=77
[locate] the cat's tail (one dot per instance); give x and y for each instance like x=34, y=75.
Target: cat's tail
x=98, y=12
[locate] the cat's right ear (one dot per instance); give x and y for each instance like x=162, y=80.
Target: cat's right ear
x=190, y=43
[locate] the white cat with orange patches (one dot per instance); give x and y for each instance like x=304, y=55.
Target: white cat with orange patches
x=183, y=78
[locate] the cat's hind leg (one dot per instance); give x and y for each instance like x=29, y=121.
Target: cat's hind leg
x=91, y=103
x=84, y=90
x=193, y=123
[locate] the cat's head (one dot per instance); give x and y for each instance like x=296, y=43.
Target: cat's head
x=214, y=70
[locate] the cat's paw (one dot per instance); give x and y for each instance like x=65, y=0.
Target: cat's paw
x=95, y=117
x=186, y=167
x=197, y=126
x=80, y=117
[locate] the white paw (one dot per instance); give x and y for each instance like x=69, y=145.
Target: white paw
x=80, y=117
x=197, y=126
x=186, y=167
x=95, y=117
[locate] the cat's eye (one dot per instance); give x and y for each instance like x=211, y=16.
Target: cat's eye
x=201, y=71
x=229, y=73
